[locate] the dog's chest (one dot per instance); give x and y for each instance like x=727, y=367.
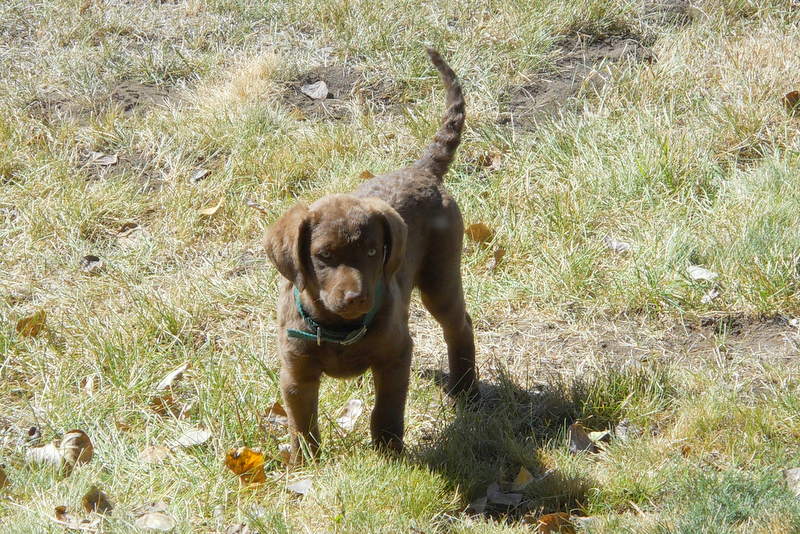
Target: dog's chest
x=343, y=363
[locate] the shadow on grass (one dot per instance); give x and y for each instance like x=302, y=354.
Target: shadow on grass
x=511, y=426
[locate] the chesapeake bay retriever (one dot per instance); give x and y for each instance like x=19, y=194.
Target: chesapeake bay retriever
x=350, y=262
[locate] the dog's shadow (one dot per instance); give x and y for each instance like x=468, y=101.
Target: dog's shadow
x=490, y=440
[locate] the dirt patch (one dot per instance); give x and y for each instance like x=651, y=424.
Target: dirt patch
x=532, y=349
x=346, y=87
x=130, y=95
x=54, y=106
x=670, y=12
x=580, y=64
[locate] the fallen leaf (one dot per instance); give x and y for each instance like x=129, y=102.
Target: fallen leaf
x=155, y=521
x=301, y=486
x=256, y=206
x=70, y=522
x=686, y=450
x=316, y=91
x=212, y=209
x=558, y=523
x=601, y=436
x=619, y=247
x=76, y=448
x=96, y=501
x=790, y=100
x=199, y=175
x=154, y=454
x=700, y=273
x=792, y=477
x=123, y=426
x=521, y=481
x=350, y=414
x=46, y=454
x=241, y=528
x=247, y=463
x=497, y=257
x=165, y=404
x=192, y=438
x=496, y=496
x=33, y=436
x=102, y=160
x=493, y=160
x=91, y=264
x=579, y=440
x=3, y=477
x=127, y=229
x=285, y=452
x=89, y=383
x=365, y=175
x=479, y=232
x=32, y=325
x=277, y=417
x=710, y=295
x=172, y=377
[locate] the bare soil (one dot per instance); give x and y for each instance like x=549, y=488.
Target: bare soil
x=581, y=63
x=346, y=87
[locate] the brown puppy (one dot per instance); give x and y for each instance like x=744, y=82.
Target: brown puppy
x=351, y=262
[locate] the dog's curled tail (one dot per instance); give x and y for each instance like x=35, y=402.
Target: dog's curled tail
x=440, y=153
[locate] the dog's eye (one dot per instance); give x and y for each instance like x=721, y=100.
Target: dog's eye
x=325, y=255
x=371, y=252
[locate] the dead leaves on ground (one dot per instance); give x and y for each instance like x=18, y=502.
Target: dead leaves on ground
x=163, y=401
x=349, y=414
x=73, y=449
x=247, y=463
x=154, y=454
x=479, y=232
x=153, y=516
x=791, y=101
x=558, y=523
x=96, y=501
x=32, y=325
x=211, y=210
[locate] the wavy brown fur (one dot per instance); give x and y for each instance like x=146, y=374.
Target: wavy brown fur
x=440, y=153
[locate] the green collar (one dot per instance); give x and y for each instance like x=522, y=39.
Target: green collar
x=345, y=337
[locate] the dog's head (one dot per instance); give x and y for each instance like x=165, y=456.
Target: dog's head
x=338, y=249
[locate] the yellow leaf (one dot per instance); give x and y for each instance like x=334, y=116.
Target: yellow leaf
x=524, y=477
x=247, y=463
x=212, y=209
x=31, y=326
x=479, y=232
x=558, y=523
x=365, y=175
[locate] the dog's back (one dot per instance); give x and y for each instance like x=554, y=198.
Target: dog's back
x=435, y=227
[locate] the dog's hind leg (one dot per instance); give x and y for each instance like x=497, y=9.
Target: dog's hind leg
x=444, y=299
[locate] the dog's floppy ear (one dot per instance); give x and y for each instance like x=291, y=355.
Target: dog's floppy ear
x=287, y=245
x=395, y=232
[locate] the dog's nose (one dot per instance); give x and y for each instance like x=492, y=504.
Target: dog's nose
x=354, y=297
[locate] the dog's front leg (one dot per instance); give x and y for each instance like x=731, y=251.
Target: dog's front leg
x=391, y=388
x=300, y=390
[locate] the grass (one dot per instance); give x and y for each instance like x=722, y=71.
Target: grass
x=691, y=158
